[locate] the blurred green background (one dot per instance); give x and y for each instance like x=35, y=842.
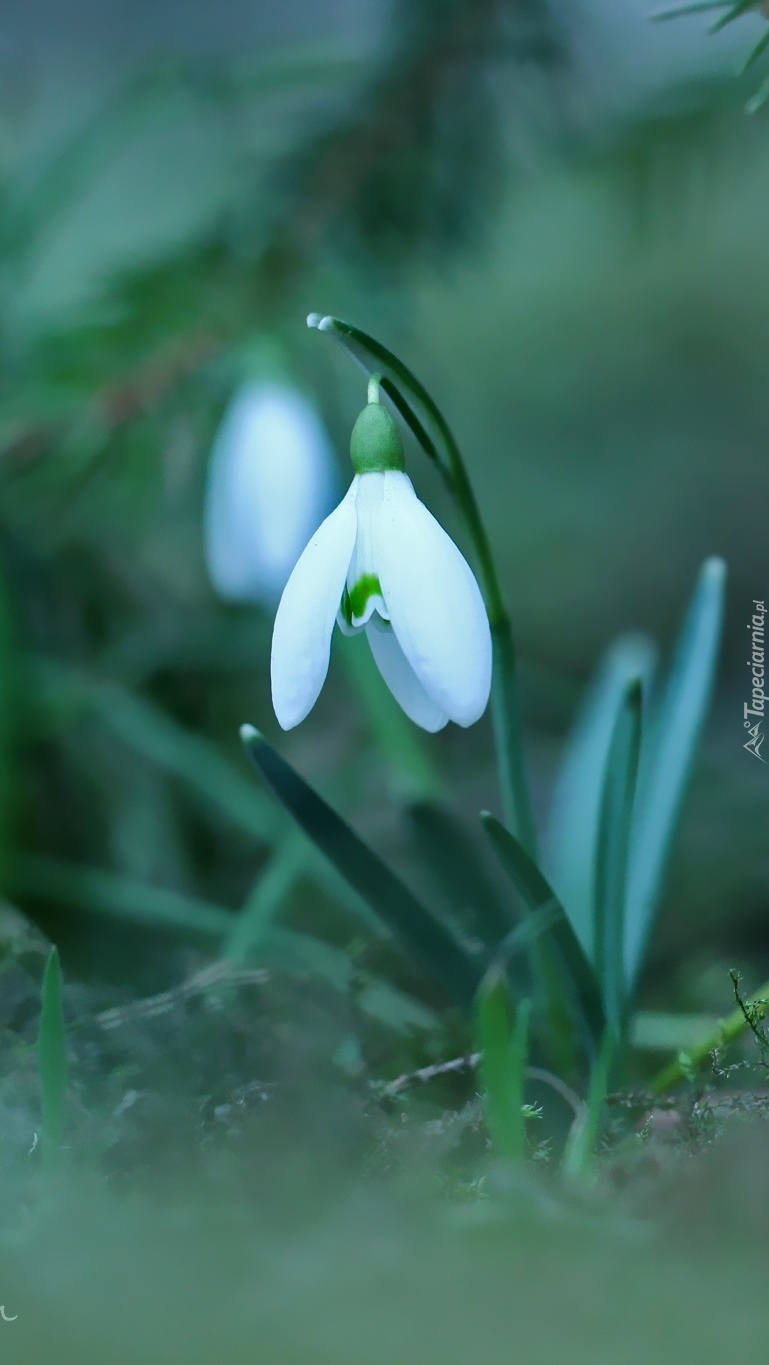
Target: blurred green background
x=558, y=218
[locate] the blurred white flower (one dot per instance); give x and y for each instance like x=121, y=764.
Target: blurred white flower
x=380, y=563
x=270, y=483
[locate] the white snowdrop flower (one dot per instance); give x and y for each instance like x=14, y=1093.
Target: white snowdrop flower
x=380, y=563
x=270, y=483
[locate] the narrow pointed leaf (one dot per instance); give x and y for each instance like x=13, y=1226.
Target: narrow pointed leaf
x=675, y=726
x=9, y=713
x=579, y=978
x=104, y=892
x=579, y=1153
x=613, y=852
x=459, y=874
x=275, y=883
x=572, y=835
x=420, y=931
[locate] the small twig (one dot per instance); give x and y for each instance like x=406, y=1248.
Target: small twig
x=469, y=1062
x=409, y=1079
x=151, y=1006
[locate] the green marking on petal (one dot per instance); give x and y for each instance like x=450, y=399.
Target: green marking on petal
x=357, y=600
x=345, y=607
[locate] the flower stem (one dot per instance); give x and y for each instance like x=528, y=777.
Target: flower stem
x=508, y=737
x=505, y=700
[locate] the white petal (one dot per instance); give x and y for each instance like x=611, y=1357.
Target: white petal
x=301, y=638
x=403, y=681
x=270, y=484
x=435, y=604
x=369, y=498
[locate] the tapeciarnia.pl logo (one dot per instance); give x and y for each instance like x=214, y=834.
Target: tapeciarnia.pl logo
x=753, y=711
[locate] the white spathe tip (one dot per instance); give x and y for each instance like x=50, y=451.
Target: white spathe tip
x=320, y=321
x=248, y=732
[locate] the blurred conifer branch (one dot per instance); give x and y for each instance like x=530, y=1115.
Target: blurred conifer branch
x=408, y=168
x=728, y=11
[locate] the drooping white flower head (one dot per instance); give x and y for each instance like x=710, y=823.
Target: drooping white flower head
x=380, y=563
x=270, y=483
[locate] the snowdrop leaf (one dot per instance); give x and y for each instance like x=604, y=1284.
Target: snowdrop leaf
x=460, y=874
x=421, y=932
x=612, y=852
x=572, y=836
x=577, y=973
x=666, y=761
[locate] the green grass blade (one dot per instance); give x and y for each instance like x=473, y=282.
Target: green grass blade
x=503, y=1045
x=459, y=873
x=613, y=853
x=52, y=1058
x=109, y=893
x=676, y=723
x=9, y=714
x=574, y=973
x=579, y=1153
x=572, y=835
x=433, y=433
x=420, y=931
x=274, y=884
x=158, y=737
